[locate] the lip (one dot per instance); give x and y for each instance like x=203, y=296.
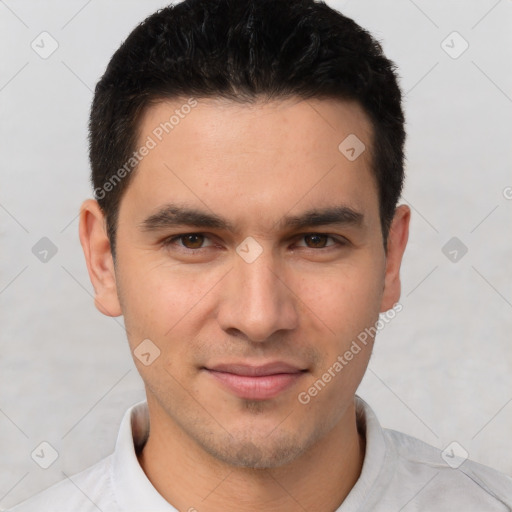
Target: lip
x=261, y=382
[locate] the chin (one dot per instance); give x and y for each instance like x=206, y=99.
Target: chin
x=263, y=454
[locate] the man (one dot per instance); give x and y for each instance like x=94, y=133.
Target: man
x=247, y=162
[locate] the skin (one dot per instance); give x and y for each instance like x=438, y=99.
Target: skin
x=302, y=301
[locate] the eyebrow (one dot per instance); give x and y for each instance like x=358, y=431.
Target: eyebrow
x=171, y=215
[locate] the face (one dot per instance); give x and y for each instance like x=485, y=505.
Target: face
x=250, y=254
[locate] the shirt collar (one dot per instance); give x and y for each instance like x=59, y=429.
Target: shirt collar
x=132, y=488
x=134, y=491
x=378, y=465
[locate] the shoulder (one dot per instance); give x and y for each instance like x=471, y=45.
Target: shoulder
x=86, y=491
x=447, y=477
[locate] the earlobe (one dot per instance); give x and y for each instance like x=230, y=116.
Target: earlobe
x=397, y=242
x=98, y=257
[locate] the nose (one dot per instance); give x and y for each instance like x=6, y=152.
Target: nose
x=258, y=299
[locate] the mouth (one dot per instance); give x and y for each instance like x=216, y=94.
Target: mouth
x=252, y=382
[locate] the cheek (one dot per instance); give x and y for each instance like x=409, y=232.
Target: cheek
x=165, y=303
x=345, y=307
x=344, y=300
x=147, y=301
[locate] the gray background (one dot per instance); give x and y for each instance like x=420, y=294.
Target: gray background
x=441, y=370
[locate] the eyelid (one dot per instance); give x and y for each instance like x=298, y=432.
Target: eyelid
x=338, y=239
x=168, y=241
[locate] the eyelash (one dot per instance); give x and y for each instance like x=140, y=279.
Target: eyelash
x=168, y=242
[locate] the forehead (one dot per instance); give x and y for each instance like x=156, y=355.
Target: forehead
x=293, y=119
x=277, y=153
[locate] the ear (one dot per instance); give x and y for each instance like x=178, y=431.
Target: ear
x=397, y=241
x=98, y=256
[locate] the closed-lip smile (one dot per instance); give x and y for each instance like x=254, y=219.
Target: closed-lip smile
x=256, y=382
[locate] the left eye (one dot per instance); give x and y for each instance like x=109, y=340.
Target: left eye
x=319, y=239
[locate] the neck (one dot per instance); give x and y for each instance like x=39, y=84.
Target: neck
x=192, y=480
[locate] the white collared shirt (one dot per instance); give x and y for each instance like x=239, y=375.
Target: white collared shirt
x=400, y=473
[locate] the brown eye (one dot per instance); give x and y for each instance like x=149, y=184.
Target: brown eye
x=317, y=239
x=188, y=242
x=192, y=241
